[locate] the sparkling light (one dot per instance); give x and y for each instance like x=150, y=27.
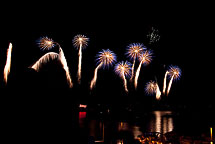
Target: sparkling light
x=164, y=82
x=65, y=67
x=133, y=51
x=44, y=59
x=46, y=43
x=105, y=58
x=145, y=58
x=174, y=74
x=80, y=42
x=8, y=63
x=150, y=87
x=123, y=69
x=153, y=35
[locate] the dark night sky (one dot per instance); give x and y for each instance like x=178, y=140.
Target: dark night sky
x=184, y=42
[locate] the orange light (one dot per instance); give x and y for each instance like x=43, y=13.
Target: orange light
x=82, y=106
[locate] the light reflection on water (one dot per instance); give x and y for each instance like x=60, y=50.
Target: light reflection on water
x=157, y=121
x=136, y=131
x=161, y=121
x=96, y=129
x=125, y=126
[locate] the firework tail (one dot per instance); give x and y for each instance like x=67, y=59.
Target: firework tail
x=158, y=92
x=8, y=63
x=65, y=67
x=164, y=83
x=170, y=84
x=44, y=59
x=93, y=81
x=132, y=70
x=125, y=83
x=79, y=63
x=137, y=74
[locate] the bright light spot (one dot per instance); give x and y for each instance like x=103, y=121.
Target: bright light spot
x=82, y=106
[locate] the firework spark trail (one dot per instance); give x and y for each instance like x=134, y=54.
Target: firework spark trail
x=105, y=58
x=132, y=70
x=44, y=59
x=174, y=73
x=65, y=67
x=125, y=82
x=170, y=84
x=93, y=82
x=133, y=52
x=158, y=92
x=8, y=63
x=123, y=69
x=79, y=63
x=164, y=82
x=137, y=74
x=145, y=58
x=47, y=43
x=80, y=42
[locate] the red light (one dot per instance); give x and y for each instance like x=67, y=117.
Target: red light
x=82, y=115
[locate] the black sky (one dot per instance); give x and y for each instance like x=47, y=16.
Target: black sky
x=184, y=31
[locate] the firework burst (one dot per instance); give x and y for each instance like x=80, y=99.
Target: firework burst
x=144, y=58
x=151, y=88
x=123, y=69
x=8, y=63
x=46, y=43
x=134, y=50
x=174, y=74
x=80, y=42
x=105, y=58
x=153, y=35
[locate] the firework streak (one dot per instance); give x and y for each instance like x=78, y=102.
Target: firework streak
x=133, y=52
x=65, y=67
x=174, y=73
x=123, y=69
x=44, y=59
x=47, y=43
x=80, y=41
x=158, y=92
x=93, y=82
x=145, y=58
x=8, y=63
x=105, y=58
x=164, y=82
